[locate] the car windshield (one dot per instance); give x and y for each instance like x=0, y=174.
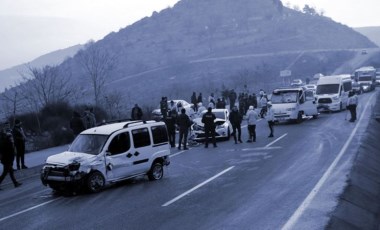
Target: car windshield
x=90, y=144
x=284, y=97
x=327, y=89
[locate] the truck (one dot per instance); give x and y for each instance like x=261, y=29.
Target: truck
x=292, y=104
x=332, y=92
x=366, y=77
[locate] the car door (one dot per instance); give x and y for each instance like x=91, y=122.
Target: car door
x=310, y=105
x=119, y=157
x=142, y=144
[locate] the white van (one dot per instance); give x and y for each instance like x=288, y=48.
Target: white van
x=332, y=92
x=291, y=104
x=110, y=153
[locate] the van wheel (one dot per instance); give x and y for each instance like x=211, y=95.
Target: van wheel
x=315, y=116
x=156, y=172
x=95, y=182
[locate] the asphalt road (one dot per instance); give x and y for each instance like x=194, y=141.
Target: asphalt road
x=290, y=181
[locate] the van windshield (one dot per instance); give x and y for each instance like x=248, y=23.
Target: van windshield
x=88, y=143
x=365, y=78
x=327, y=89
x=284, y=97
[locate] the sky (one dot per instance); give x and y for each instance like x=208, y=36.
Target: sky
x=31, y=28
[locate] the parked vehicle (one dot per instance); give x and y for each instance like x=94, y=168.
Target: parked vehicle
x=223, y=126
x=357, y=88
x=332, y=92
x=366, y=77
x=157, y=115
x=106, y=154
x=311, y=87
x=296, y=83
x=291, y=104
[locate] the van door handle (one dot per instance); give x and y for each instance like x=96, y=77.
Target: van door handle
x=136, y=154
x=129, y=155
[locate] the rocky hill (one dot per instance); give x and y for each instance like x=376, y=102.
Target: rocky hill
x=203, y=45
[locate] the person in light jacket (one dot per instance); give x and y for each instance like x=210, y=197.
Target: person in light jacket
x=352, y=103
x=270, y=118
x=252, y=118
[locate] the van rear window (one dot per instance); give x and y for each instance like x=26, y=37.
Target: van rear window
x=141, y=137
x=160, y=134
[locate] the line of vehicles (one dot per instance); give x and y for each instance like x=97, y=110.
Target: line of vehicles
x=106, y=154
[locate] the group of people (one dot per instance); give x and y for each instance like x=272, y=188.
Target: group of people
x=12, y=144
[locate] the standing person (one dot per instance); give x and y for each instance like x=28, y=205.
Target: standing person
x=170, y=124
x=211, y=99
x=136, y=113
x=184, y=123
x=7, y=151
x=194, y=101
x=232, y=96
x=208, y=119
x=263, y=104
x=19, y=141
x=201, y=108
x=352, y=103
x=164, y=107
x=236, y=119
x=76, y=124
x=252, y=118
x=89, y=118
x=200, y=98
x=270, y=118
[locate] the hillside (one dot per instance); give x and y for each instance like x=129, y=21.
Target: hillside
x=373, y=33
x=203, y=45
x=10, y=76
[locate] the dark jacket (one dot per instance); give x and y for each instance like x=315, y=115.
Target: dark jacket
x=18, y=134
x=76, y=124
x=136, y=113
x=235, y=118
x=170, y=123
x=208, y=119
x=7, y=148
x=183, y=122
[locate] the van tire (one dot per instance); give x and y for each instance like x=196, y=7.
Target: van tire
x=95, y=182
x=156, y=172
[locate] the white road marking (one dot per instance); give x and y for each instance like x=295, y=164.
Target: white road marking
x=28, y=209
x=196, y=187
x=176, y=154
x=267, y=146
x=261, y=148
x=301, y=209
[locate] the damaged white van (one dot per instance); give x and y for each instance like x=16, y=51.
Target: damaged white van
x=110, y=153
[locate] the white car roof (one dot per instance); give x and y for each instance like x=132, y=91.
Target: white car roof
x=110, y=128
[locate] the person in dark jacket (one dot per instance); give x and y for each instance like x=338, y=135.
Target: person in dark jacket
x=236, y=119
x=164, y=107
x=76, y=124
x=232, y=96
x=136, y=113
x=194, y=101
x=170, y=122
x=184, y=123
x=209, y=120
x=19, y=140
x=7, y=152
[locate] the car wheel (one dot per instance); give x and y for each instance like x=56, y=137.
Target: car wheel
x=315, y=116
x=95, y=182
x=156, y=172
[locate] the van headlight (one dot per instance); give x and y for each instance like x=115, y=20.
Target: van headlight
x=73, y=166
x=335, y=98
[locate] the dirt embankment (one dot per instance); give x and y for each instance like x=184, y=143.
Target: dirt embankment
x=359, y=205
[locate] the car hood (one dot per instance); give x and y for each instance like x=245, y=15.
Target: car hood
x=198, y=121
x=66, y=158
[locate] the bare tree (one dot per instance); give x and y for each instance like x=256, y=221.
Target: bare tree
x=46, y=85
x=11, y=101
x=97, y=64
